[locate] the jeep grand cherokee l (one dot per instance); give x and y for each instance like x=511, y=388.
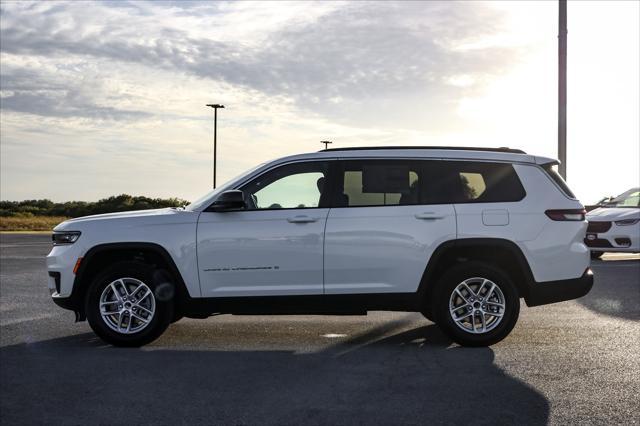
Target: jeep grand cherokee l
x=458, y=234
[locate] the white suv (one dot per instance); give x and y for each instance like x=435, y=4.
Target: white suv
x=615, y=226
x=458, y=234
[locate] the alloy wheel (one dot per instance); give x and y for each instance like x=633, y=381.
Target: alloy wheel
x=127, y=305
x=477, y=305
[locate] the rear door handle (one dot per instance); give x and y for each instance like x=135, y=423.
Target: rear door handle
x=429, y=216
x=302, y=219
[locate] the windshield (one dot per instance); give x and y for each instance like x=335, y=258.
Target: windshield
x=631, y=198
x=209, y=195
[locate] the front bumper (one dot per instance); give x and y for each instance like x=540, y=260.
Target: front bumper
x=607, y=236
x=61, y=262
x=543, y=293
x=65, y=302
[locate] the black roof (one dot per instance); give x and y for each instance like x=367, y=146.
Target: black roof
x=453, y=148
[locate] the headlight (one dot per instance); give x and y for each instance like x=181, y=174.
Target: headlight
x=626, y=222
x=68, y=237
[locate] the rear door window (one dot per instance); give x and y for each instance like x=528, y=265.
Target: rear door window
x=362, y=183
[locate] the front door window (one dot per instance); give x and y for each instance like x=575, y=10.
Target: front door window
x=293, y=186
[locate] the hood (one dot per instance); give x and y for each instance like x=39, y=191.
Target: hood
x=141, y=215
x=613, y=213
x=134, y=213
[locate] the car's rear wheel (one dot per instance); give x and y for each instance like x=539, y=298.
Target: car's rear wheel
x=596, y=254
x=476, y=304
x=123, y=307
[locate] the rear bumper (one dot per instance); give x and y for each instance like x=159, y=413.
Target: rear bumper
x=543, y=293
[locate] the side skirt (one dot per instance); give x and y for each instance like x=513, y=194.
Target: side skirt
x=351, y=304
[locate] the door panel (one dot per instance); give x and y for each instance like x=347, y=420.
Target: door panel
x=382, y=249
x=275, y=245
x=380, y=237
x=250, y=253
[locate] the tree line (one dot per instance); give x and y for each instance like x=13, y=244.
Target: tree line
x=118, y=203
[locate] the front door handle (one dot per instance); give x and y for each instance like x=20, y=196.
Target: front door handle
x=302, y=219
x=429, y=216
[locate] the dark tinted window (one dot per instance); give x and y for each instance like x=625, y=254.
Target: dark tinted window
x=292, y=186
x=470, y=182
x=552, y=171
x=378, y=183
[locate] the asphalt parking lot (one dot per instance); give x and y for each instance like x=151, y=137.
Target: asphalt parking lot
x=567, y=363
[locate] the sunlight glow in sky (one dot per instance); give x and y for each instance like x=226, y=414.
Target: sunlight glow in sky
x=98, y=99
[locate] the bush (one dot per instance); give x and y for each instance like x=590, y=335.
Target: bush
x=30, y=223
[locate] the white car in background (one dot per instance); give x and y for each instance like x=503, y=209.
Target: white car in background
x=615, y=227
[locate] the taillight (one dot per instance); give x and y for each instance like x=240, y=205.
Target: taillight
x=576, y=215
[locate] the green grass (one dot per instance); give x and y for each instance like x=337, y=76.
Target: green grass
x=32, y=223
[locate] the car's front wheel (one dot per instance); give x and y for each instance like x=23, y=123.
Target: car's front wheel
x=476, y=304
x=123, y=307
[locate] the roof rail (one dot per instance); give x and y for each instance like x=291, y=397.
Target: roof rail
x=453, y=148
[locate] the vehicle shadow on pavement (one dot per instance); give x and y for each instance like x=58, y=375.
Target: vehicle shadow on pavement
x=412, y=377
x=620, y=296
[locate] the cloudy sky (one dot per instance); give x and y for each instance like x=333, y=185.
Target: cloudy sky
x=108, y=97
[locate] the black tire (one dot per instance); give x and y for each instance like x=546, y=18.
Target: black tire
x=427, y=311
x=428, y=316
x=445, y=288
x=596, y=254
x=163, y=298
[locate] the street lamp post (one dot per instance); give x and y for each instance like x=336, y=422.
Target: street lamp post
x=215, y=135
x=562, y=87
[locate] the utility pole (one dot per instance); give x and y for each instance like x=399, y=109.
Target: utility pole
x=562, y=87
x=215, y=135
x=326, y=144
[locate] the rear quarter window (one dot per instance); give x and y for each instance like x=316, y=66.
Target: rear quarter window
x=471, y=182
x=552, y=172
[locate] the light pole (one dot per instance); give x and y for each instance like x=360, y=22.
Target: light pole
x=326, y=144
x=215, y=135
x=562, y=87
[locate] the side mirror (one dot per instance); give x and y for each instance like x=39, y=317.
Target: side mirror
x=228, y=200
